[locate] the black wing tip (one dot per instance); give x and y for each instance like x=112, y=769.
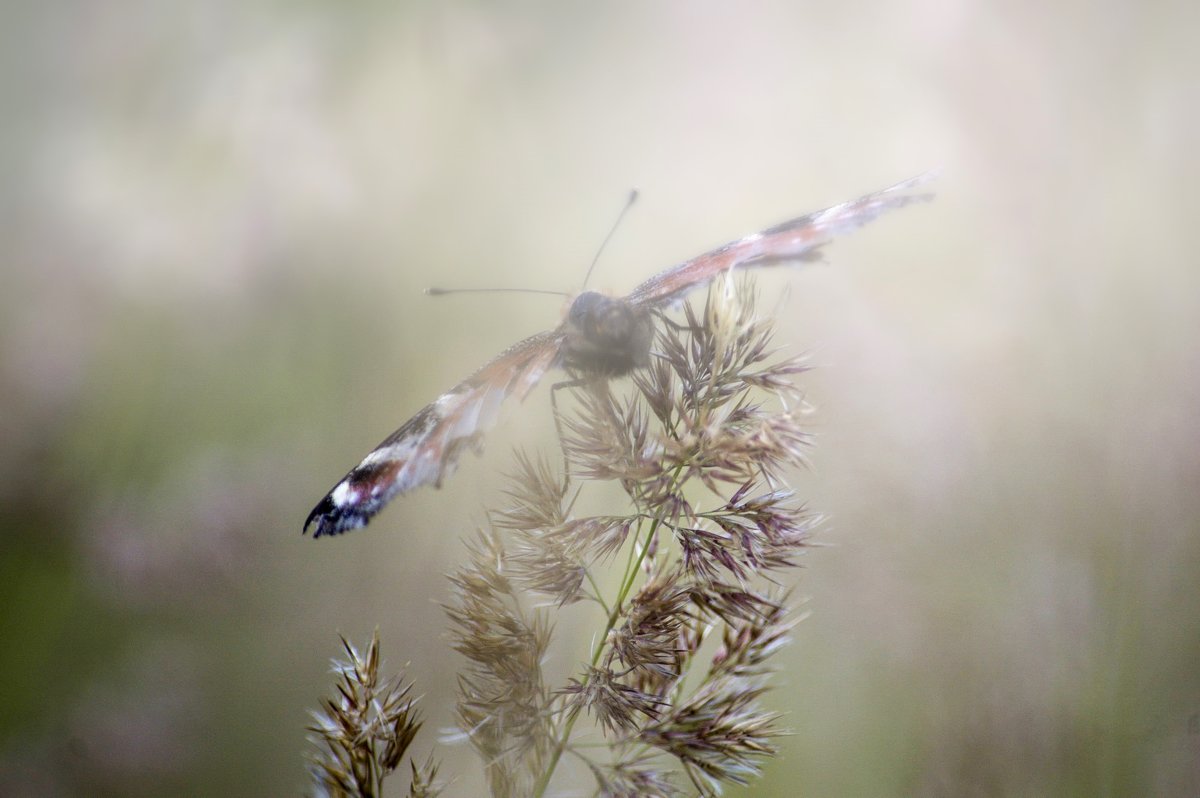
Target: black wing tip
x=332, y=520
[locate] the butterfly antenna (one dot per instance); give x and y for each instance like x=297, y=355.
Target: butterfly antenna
x=633, y=195
x=444, y=291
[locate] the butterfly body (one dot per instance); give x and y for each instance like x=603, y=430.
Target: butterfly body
x=606, y=336
x=601, y=337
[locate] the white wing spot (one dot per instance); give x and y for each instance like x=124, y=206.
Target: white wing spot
x=341, y=494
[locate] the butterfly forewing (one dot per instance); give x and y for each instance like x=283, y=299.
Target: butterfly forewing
x=795, y=240
x=425, y=450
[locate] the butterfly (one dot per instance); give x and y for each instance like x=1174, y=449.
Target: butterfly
x=601, y=336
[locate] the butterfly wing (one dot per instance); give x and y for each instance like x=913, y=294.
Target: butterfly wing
x=796, y=240
x=426, y=448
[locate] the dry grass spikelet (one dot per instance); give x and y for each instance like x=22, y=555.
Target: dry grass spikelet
x=682, y=580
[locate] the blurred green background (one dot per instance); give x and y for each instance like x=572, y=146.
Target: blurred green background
x=217, y=219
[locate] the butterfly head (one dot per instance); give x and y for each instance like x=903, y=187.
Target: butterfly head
x=605, y=336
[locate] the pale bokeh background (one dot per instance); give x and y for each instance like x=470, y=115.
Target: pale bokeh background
x=216, y=220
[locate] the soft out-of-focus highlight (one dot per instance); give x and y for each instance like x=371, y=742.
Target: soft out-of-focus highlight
x=216, y=222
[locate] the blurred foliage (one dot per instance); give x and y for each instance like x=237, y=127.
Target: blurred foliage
x=216, y=220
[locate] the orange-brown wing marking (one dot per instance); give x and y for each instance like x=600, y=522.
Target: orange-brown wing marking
x=796, y=240
x=426, y=448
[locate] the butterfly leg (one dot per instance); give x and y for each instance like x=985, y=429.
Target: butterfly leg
x=663, y=318
x=573, y=383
